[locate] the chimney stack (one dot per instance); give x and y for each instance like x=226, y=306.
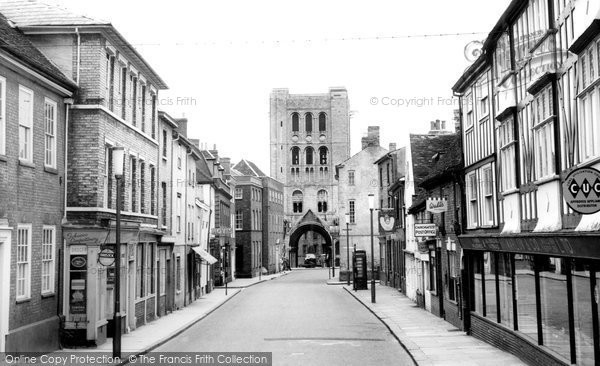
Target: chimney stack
x=182, y=126
x=372, y=138
x=392, y=146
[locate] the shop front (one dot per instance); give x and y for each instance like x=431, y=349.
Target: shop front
x=538, y=292
x=89, y=273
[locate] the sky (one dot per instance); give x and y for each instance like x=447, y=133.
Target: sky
x=221, y=59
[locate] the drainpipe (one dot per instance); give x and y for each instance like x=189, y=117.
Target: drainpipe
x=61, y=256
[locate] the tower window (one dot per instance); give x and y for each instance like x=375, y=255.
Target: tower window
x=308, y=119
x=295, y=155
x=295, y=122
x=323, y=152
x=322, y=200
x=322, y=121
x=309, y=155
x=297, y=199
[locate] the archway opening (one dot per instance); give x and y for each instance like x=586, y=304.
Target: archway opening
x=307, y=242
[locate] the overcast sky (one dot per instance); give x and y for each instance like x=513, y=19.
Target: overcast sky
x=221, y=59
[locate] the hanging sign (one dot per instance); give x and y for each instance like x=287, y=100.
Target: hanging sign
x=437, y=205
x=581, y=190
x=425, y=230
x=106, y=257
x=386, y=222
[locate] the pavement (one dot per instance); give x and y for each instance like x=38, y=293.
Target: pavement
x=161, y=330
x=430, y=340
x=300, y=320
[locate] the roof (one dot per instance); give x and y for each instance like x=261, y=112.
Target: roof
x=246, y=167
x=203, y=171
x=18, y=45
x=32, y=12
x=449, y=160
x=422, y=149
x=31, y=15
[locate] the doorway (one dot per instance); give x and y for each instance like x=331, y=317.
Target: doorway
x=5, y=243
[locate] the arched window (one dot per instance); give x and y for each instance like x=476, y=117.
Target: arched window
x=308, y=120
x=310, y=152
x=295, y=122
x=323, y=152
x=297, y=198
x=322, y=121
x=295, y=155
x=322, y=200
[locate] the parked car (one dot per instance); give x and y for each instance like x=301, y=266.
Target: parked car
x=310, y=261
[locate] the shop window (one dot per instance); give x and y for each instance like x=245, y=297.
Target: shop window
x=505, y=287
x=452, y=277
x=178, y=274
x=139, y=259
x=582, y=311
x=490, y=270
x=478, y=300
x=525, y=283
x=433, y=271
x=555, y=315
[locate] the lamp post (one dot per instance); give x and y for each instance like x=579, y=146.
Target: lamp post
x=118, y=157
x=371, y=208
x=333, y=259
x=348, y=246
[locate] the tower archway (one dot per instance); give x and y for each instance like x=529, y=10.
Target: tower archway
x=301, y=244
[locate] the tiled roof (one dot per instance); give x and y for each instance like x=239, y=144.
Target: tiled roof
x=249, y=168
x=450, y=159
x=27, y=14
x=423, y=148
x=34, y=12
x=18, y=46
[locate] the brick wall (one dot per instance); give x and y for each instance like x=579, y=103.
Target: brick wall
x=32, y=195
x=509, y=341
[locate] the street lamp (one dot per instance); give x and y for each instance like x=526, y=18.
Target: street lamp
x=371, y=208
x=348, y=246
x=118, y=157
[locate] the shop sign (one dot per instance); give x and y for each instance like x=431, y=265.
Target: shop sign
x=387, y=222
x=106, y=257
x=437, y=205
x=77, y=284
x=425, y=230
x=581, y=190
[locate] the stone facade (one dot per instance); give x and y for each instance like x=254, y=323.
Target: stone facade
x=307, y=179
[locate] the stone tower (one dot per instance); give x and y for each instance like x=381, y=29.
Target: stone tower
x=310, y=135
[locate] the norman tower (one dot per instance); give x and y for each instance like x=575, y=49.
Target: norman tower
x=310, y=135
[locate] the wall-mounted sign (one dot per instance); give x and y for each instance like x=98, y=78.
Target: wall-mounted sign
x=220, y=231
x=425, y=230
x=387, y=222
x=581, y=190
x=437, y=205
x=106, y=257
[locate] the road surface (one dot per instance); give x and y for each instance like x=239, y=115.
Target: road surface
x=301, y=320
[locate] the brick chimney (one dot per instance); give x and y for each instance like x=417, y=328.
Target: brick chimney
x=226, y=164
x=195, y=142
x=372, y=138
x=214, y=151
x=182, y=126
x=392, y=146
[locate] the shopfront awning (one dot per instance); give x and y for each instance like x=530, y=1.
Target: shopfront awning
x=205, y=255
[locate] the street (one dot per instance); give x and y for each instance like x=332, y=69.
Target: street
x=301, y=320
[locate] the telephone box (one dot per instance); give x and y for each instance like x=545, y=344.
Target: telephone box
x=359, y=261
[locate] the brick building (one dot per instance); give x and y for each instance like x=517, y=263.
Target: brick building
x=274, y=249
x=310, y=135
x=357, y=178
x=392, y=172
x=440, y=204
x=115, y=107
x=34, y=97
x=248, y=220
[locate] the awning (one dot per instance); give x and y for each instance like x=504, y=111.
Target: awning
x=205, y=255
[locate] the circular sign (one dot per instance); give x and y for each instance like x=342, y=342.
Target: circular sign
x=106, y=257
x=581, y=190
